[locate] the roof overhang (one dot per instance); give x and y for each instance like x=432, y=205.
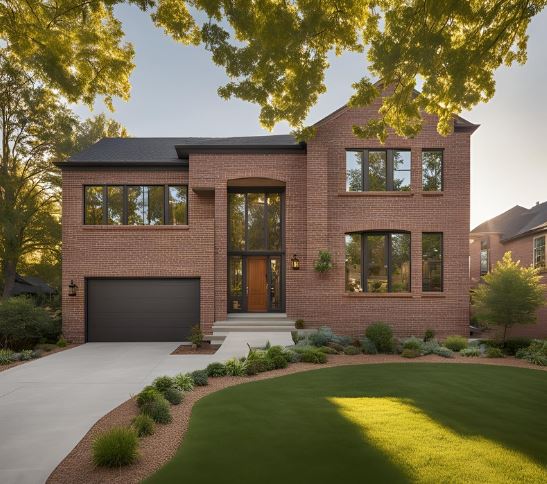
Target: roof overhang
x=184, y=151
x=181, y=163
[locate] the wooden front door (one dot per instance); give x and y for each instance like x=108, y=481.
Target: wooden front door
x=257, y=284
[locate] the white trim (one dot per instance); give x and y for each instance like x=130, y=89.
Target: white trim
x=544, y=237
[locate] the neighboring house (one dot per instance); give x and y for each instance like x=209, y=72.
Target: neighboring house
x=522, y=231
x=30, y=285
x=163, y=233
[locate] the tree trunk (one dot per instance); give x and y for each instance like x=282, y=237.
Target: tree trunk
x=504, y=333
x=8, y=272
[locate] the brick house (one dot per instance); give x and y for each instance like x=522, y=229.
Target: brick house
x=523, y=232
x=162, y=233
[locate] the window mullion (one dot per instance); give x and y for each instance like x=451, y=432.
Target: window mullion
x=364, y=258
x=166, y=204
x=246, y=218
x=105, y=205
x=389, y=170
x=387, y=250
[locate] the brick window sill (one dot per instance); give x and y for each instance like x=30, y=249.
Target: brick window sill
x=376, y=194
x=135, y=227
x=432, y=194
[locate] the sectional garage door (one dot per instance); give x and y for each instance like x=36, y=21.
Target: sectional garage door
x=141, y=309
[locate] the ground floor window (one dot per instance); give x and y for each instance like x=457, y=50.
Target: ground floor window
x=539, y=252
x=378, y=262
x=484, y=262
x=432, y=262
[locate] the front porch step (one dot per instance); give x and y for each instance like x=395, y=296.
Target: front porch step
x=214, y=339
x=257, y=316
x=226, y=330
x=254, y=322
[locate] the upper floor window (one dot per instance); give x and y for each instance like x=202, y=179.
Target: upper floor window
x=539, y=252
x=136, y=205
x=378, y=170
x=432, y=262
x=484, y=262
x=432, y=170
x=378, y=262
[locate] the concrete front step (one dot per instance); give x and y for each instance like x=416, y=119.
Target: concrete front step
x=225, y=330
x=240, y=316
x=214, y=339
x=254, y=322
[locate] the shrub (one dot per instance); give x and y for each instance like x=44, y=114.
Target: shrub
x=493, y=352
x=368, y=347
x=148, y=394
x=324, y=262
x=275, y=351
x=6, y=357
x=429, y=347
x=158, y=410
x=455, y=343
x=200, y=378
x=470, y=352
x=382, y=337
x=295, y=337
x=116, y=447
x=336, y=346
x=511, y=346
x=429, y=334
x=173, y=395
x=279, y=361
x=321, y=337
x=536, y=353
x=313, y=356
x=22, y=323
x=47, y=347
x=163, y=383
x=329, y=350
x=234, y=367
x=196, y=335
x=351, y=350
x=443, y=351
x=411, y=353
x=26, y=355
x=216, y=369
x=342, y=340
x=185, y=381
x=299, y=324
x=61, y=342
x=143, y=425
x=413, y=343
x=292, y=356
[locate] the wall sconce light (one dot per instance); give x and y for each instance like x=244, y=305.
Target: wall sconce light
x=72, y=288
x=295, y=263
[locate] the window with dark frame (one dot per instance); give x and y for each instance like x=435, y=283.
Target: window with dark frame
x=539, y=252
x=136, y=205
x=377, y=262
x=432, y=170
x=484, y=262
x=432, y=262
x=372, y=170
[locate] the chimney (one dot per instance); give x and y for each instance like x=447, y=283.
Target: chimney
x=537, y=203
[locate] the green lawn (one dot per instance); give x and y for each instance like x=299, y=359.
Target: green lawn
x=371, y=423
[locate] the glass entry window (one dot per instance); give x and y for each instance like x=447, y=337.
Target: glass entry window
x=255, y=251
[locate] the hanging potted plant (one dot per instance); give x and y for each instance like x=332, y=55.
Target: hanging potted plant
x=323, y=263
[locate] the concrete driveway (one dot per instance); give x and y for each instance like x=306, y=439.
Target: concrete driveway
x=49, y=404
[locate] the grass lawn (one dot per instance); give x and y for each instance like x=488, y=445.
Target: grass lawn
x=371, y=423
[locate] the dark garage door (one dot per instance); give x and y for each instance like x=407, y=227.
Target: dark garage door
x=141, y=309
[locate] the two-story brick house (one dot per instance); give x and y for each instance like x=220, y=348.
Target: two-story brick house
x=162, y=233
x=523, y=232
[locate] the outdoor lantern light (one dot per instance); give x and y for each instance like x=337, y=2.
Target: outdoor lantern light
x=72, y=288
x=295, y=263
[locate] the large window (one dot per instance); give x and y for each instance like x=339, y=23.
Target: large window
x=136, y=205
x=539, y=252
x=378, y=170
x=378, y=262
x=432, y=262
x=432, y=170
x=255, y=222
x=484, y=262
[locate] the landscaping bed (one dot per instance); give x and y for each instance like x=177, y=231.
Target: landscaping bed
x=157, y=449
x=54, y=349
x=205, y=349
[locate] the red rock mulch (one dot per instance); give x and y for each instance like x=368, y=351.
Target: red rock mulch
x=160, y=447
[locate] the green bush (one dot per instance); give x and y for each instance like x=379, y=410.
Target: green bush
x=430, y=346
x=352, y=350
x=429, y=334
x=299, y=324
x=200, y=378
x=196, y=335
x=148, y=394
x=382, y=337
x=493, y=352
x=47, y=347
x=163, y=383
x=292, y=356
x=313, y=356
x=279, y=361
x=61, y=342
x=295, y=337
x=158, y=410
x=173, y=395
x=329, y=350
x=116, y=447
x=253, y=367
x=411, y=353
x=143, y=425
x=368, y=347
x=23, y=324
x=324, y=262
x=413, y=343
x=321, y=337
x=216, y=369
x=234, y=367
x=455, y=343
x=6, y=357
x=512, y=345
x=185, y=381
x=443, y=351
x=26, y=355
x=471, y=352
x=275, y=351
x=336, y=346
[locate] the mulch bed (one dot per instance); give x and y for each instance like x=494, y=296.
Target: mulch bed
x=44, y=354
x=204, y=349
x=155, y=450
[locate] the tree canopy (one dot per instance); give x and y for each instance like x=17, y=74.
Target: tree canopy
x=275, y=53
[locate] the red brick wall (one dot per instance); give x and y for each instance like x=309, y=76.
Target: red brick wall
x=318, y=214
x=521, y=249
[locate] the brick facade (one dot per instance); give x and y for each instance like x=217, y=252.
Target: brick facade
x=318, y=213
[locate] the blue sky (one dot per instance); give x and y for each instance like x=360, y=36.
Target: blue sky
x=174, y=93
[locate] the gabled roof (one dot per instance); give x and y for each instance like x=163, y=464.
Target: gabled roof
x=516, y=222
x=31, y=285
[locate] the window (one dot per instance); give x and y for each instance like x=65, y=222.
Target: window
x=377, y=262
x=539, y=252
x=484, y=258
x=432, y=262
x=136, y=205
x=378, y=170
x=432, y=170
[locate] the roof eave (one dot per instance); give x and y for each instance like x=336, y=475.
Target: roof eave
x=181, y=163
x=183, y=151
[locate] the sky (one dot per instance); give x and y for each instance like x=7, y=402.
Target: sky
x=174, y=93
